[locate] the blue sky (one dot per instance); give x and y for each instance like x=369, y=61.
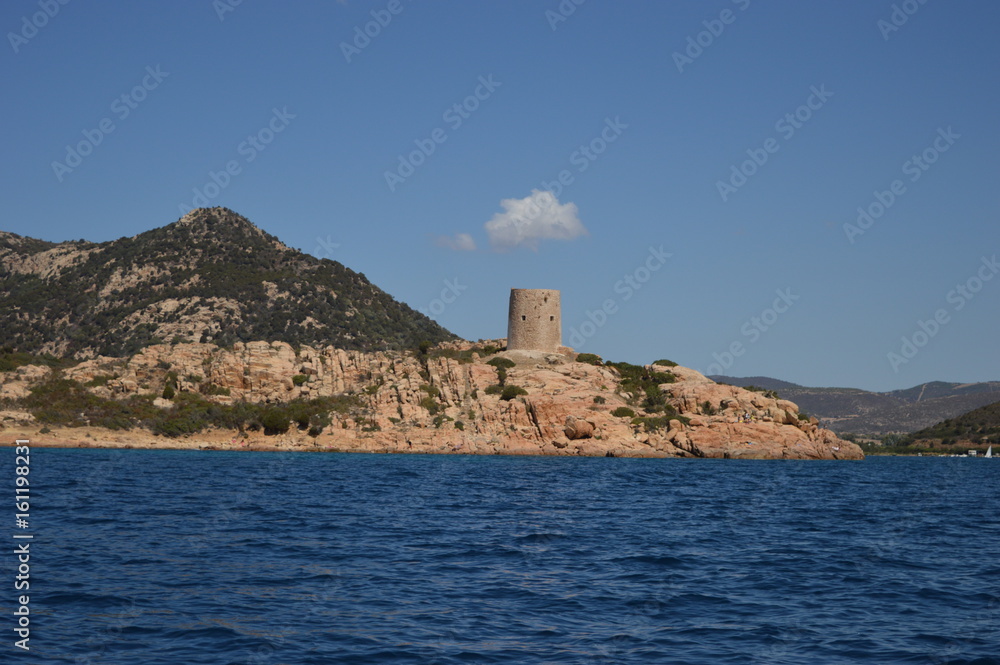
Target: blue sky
x=737, y=137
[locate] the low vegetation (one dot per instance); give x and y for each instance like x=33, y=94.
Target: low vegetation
x=654, y=423
x=10, y=360
x=502, y=365
x=978, y=429
x=510, y=392
x=60, y=401
x=642, y=385
x=763, y=391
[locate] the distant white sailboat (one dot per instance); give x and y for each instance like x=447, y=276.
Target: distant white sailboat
x=989, y=452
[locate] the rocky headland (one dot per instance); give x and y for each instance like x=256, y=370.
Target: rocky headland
x=447, y=399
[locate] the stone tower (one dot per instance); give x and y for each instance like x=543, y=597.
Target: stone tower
x=534, y=320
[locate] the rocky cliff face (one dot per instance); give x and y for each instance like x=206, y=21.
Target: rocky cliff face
x=440, y=402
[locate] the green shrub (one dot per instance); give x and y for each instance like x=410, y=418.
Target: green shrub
x=502, y=365
x=430, y=404
x=505, y=363
x=66, y=402
x=240, y=416
x=461, y=357
x=494, y=390
x=707, y=408
x=191, y=413
x=459, y=425
x=628, y=371
x=299, y=379
x=433, y=391
x=319, y=419
x=623, y=412
x=99, y=380
x=662, y=377
x=170, y=385
x=642, y=382
x=299, y=412
x=342, y=404
x=11, y=360
x=655, y=400
x=275, y=419
x=599, y=400
x=666, y=363
x=654, y=423
x=589, y=358
x=510, y=392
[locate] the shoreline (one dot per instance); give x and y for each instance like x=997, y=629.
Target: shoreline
x=225, y=440
x=222, y=440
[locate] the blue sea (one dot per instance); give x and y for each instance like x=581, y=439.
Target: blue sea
x=177, y=557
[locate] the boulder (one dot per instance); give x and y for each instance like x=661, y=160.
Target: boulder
x=578, y=428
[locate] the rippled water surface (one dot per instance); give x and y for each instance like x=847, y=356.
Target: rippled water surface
x=151, y=557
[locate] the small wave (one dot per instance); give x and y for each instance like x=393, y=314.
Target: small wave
x=543, y=538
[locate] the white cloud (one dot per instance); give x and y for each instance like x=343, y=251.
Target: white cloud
x=460, y=242
x=526, y=221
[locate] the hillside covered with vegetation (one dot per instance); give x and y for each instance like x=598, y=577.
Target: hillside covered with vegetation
x=212, y=276
x=979, y=427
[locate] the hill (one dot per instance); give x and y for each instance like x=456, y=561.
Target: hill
x=876, y=414
x=977, y=427
x=211, y=276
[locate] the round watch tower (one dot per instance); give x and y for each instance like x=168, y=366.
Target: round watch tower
x=534, y=320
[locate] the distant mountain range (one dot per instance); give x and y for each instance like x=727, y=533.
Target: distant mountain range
x=852, y=410
x=211, y=276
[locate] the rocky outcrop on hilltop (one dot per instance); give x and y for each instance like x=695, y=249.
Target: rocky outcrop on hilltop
x=448, y=400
